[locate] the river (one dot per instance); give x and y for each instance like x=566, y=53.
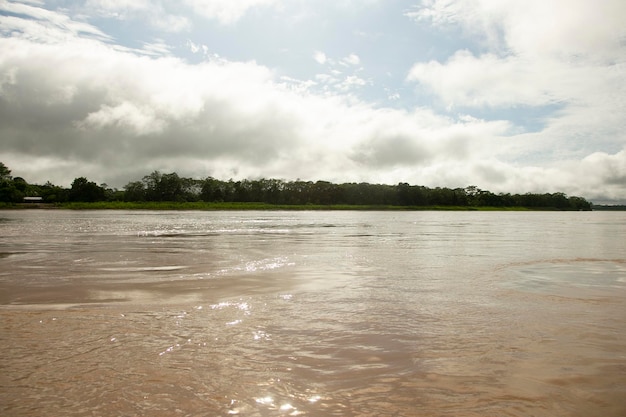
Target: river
x=312, y=313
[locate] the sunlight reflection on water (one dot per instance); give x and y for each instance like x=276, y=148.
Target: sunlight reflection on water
x=312, y=313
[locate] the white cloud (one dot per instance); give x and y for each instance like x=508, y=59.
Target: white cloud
x=118, y=8
x=43, y=25
x=541, y=51
x=488, y=80
x=226, y=11
x=125, y=107
x=611, y=168
x=141, y=121
x=169, y=23
x=351, y=82
x=320, y=57
x=152, y=12
x=335, y=80
x=158, y=47
x=34, y=2
x=563, y=28
x=567, y=54
x=351, y=59
x=115, y=114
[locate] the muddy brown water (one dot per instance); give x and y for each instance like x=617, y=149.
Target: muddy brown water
x=121, y=313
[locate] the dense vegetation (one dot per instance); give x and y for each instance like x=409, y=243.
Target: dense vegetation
x=158, y=187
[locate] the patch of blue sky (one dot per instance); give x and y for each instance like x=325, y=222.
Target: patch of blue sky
x=525, y=119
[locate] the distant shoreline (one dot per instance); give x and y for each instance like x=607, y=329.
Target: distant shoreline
x=230, y=206
x=619, y=207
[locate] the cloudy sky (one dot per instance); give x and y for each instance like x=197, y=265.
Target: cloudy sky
x=507, y=95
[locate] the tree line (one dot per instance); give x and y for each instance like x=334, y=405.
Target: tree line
x=170, y=187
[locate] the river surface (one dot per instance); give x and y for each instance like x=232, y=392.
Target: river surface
x=132, y=313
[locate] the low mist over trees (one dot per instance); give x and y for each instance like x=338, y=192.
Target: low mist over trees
x=158, y=186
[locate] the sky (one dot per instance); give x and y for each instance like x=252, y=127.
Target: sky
x=506, y=95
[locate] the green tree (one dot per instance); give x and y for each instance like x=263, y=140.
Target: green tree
x=135, y=191
x=5, y=172
x=84, y=190
x=20, y=184
x=579, y=203
x=151, y=184
x=170, y=188
x=212, y=190
x=53, y=193
x=167, y=187
x=8, y=192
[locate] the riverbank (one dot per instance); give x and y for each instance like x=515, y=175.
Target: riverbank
x=220, y=206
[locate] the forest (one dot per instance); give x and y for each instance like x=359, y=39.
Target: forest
x=170, y=187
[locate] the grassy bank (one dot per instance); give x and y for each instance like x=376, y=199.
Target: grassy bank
x=125, y=205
